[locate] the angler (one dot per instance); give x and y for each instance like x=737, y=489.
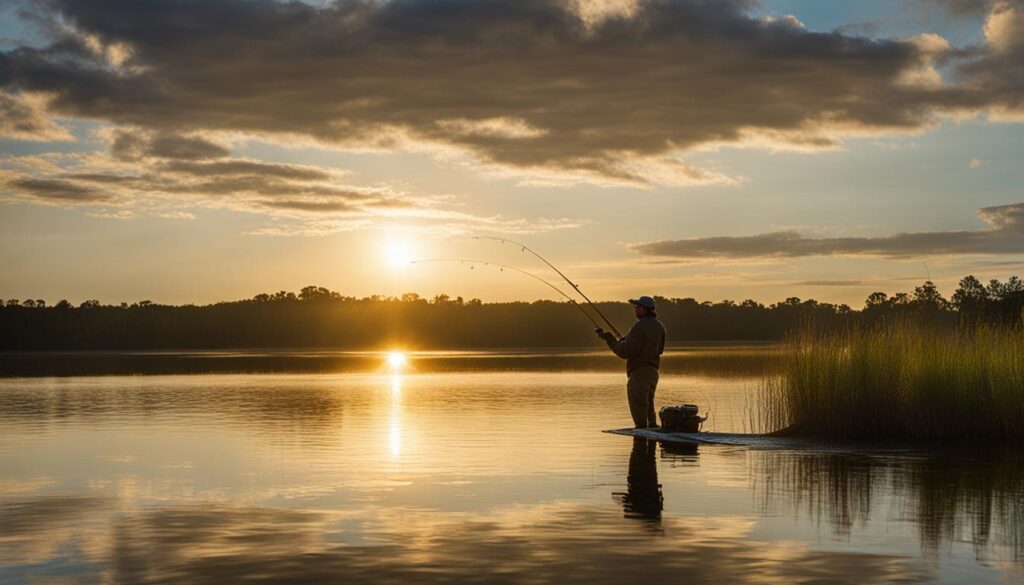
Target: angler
x=641, y=348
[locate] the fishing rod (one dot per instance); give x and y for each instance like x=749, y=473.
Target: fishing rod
x=513, y=268
x=526, y=248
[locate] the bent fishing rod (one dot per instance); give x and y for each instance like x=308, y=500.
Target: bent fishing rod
x=513, y=268
x=526, y=248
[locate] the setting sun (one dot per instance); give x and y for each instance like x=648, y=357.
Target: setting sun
x=396, y=360
x=399, y=253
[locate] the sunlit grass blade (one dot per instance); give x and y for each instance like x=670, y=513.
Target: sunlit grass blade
x=898, y=380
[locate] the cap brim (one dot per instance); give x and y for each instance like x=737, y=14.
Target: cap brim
x=634, y=302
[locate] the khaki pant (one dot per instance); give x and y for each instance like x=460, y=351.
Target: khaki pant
x=640, y=391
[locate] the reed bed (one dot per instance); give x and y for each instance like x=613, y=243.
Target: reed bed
x=898, y=381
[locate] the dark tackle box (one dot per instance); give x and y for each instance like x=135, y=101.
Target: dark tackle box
x=680, y=419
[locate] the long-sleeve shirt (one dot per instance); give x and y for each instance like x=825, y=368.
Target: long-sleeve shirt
x=642, y=346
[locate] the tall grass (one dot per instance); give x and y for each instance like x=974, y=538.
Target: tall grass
x=898, y=380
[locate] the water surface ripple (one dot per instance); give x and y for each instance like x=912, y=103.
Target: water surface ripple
x=476, y=476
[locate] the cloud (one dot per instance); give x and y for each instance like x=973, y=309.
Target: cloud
x=958, y=8
x=120, y=214
x=181, y=169
x=1003, y=26
x=493, y=127
x=612, y=93
x=241, y=184
x=829, y=283
x=997, y=67
x=963, y=9
x=1005, y=235
x=305, y=205
x=23, y=117
x=60, y=190
x=237, y=167
x=161, y=174
x=133, y=145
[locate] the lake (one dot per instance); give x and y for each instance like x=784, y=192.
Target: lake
x=471, y=467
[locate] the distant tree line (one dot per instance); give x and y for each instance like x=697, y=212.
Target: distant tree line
x=318, y=317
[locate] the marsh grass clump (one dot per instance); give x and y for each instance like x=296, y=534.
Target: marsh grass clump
x=899, y=380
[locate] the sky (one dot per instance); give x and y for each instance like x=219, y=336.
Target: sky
x=207, y=150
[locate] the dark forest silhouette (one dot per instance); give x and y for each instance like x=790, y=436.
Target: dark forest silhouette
x=318, y=317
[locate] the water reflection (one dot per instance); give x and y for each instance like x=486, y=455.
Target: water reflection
x=949, y=496
x=225, y=399
x=713, y=360
x=557, y=543
x=643, y=498
x=680, y=453
x=474, y=477
x=396, y=415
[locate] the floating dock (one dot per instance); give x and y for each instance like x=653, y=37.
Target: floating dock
x=755, y=441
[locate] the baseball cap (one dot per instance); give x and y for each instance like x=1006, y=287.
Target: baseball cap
x=645, y=301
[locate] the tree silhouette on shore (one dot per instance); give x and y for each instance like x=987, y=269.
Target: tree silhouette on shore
x=319, y=317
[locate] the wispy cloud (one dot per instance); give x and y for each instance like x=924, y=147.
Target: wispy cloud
x=829, y=283
x=1005, y=235
x=959, y=8
x=24, y=116
x=59, y=190
x=163, y=174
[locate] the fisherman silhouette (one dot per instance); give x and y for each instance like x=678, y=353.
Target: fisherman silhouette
x=641, y=348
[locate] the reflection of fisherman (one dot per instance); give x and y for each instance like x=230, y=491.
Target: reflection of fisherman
x=641, y=348
x=643, y=498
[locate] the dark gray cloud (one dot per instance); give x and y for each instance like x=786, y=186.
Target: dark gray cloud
x=137, y=179
x=965, y=8
x=242, y=184
x=1004, y=236
x=132, y=145
x=176, y=153
x=998, y=66
x=316, y=206
x=270, y=187
x=144, y=164
x=526, y=85
x=969, y=8
x=234, y=168
x=57, y=190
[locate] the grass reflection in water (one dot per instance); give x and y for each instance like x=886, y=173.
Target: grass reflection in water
x=973, y=496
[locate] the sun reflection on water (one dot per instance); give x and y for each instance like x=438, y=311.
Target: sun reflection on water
x=396, y=415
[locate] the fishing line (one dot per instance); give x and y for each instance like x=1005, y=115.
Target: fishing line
x=526, y=248
x=503, y=267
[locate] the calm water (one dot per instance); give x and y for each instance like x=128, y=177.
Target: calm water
x=487, y=473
